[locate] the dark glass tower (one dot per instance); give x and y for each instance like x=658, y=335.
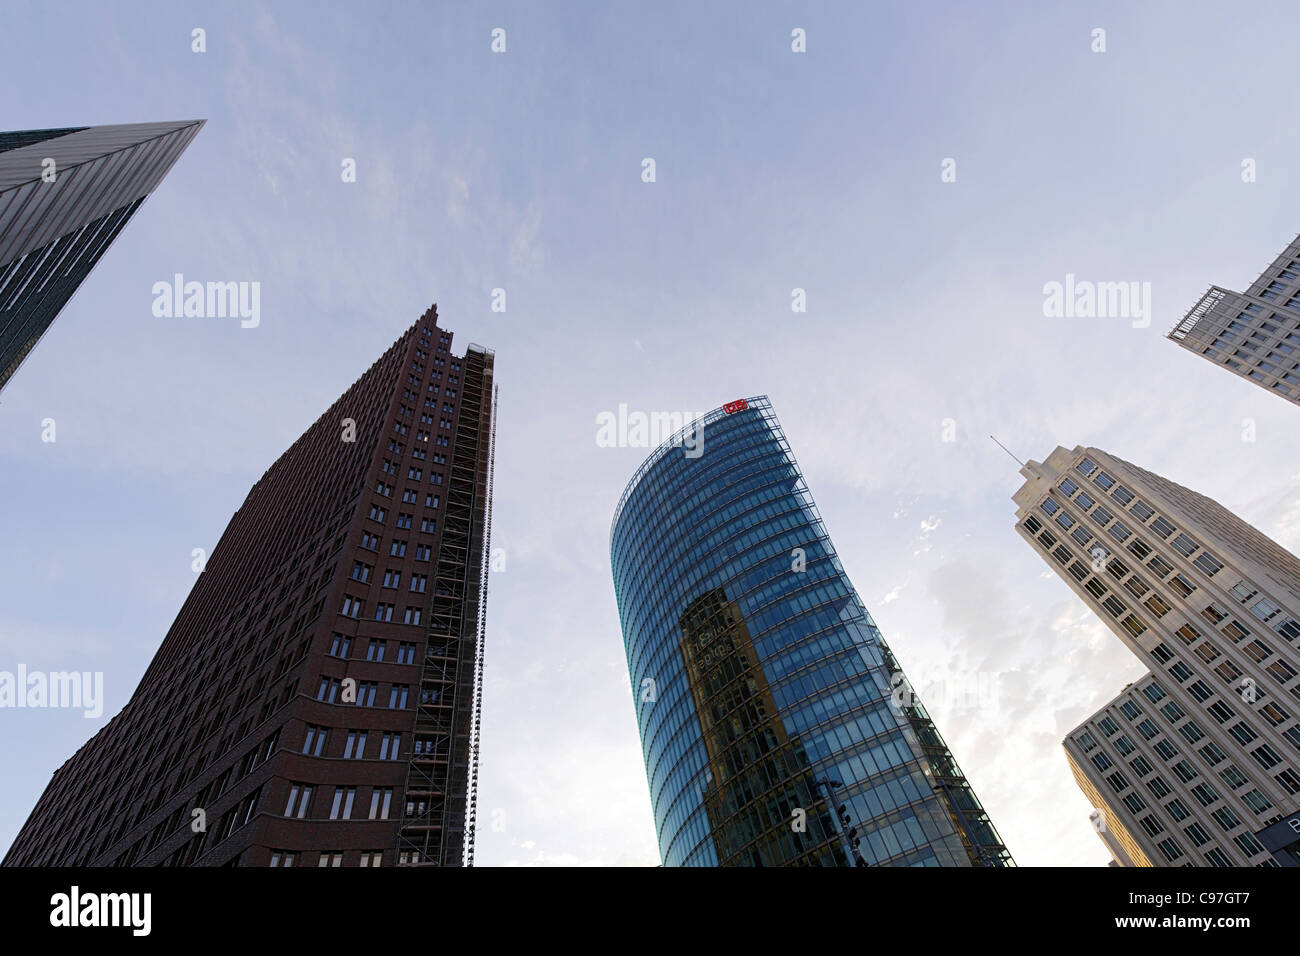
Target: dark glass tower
x=317, y=696
x=65, y=194
x=778, y=729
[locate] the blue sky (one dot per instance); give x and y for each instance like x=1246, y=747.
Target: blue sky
x=775, y=170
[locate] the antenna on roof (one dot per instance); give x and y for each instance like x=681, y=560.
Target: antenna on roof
x=1008, y=451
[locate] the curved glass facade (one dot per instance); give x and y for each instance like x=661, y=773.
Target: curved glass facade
x=776, y=726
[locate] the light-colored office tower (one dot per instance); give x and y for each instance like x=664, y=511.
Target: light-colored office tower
x=1192, y=761
x=1256, y=333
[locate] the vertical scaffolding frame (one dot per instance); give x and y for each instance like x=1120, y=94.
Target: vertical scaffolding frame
x=441, y=780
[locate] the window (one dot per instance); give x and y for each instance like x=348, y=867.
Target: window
x=299, y=800
x=1160, y=566
x=1225, y=818
x=1243, y=592
x=389, y=744
x=1173, y=713
x=430, y=525
x=398, y=549
x=372, y=858
x=369, y=541
x=1171, y=850
x=383, y=612
x=405, y=653
x=1141, y=510
x=1248, y=844
x=377, y=514
x=1243, y=733
x=1184, y=545
x=314, y=743
x=1266, y=757
x=328, y=690
x=355, y=748
x=1197, y=834
x=1177, y=811
x=392, y=579
x=1156, y=605
x=412, y=615
x=361, y=572
x=418, y=583
x=1085, y=467
x=330, y=859
x=398, y=695
x=1281, y=671
x=1212, y=754
x=340, y=646
x=1257, y=801
x=1180, y=584
x=283, y=857
x=351, y=606
x=380, y=801
x=1153, y=692
x=1221, y=711
x=1191, y=732
x=341, y=809
x=1208, y=564
x=366, y=691
x=375, y=651
x=1121, y=494
x=423, y=552
x=1104, y=480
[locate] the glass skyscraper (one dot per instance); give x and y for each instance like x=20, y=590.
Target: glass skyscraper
x=65, y=194
x=777, y=728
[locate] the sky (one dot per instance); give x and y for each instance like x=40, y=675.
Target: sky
x=830, y=171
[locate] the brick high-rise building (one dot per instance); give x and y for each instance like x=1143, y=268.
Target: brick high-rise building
x=317, y=696
x=1254, y=334
x=65, y=194
x=1195, y=762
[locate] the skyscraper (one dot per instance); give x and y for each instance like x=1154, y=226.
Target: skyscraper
x=1256, y=333
x=1191, y=762
x=316, y=700
x=777, y=727
x=65, y=194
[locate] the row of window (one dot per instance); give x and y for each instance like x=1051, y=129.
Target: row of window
x=354, y=607
x=316, y=744
x=299, y=805
x=332, y=690
x=392, y=578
